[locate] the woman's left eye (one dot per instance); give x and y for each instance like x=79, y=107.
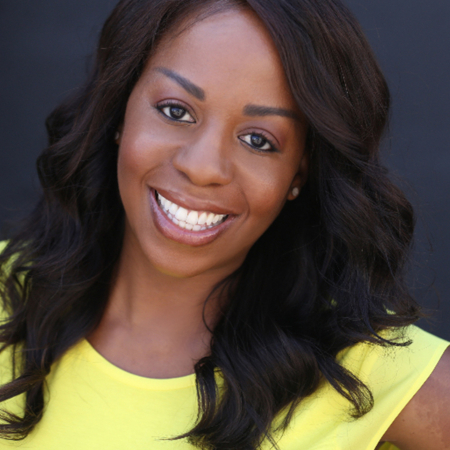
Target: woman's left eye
x=258, y=142
x=176, y=112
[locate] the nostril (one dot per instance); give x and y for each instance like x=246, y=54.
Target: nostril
x=204, y=170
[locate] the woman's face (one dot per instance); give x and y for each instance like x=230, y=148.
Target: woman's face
x=211, y=146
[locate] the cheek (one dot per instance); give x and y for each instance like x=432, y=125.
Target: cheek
x=137, y=159
x=140, y=153
x=132, y=166
x=266, y=190
x=142, y=141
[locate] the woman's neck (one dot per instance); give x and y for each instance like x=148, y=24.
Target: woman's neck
x=153, y=323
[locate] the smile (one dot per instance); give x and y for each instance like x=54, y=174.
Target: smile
x=191, y=220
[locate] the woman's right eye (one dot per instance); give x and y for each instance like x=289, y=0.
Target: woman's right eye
x=176, y=112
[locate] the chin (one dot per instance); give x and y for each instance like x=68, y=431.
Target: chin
x=180, y=271
x=190, y=265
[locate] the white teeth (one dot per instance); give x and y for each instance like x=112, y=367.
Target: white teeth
x=210, y=219
x=181, y=214
x=192, y=218
x=173, y=209
x=189, y=219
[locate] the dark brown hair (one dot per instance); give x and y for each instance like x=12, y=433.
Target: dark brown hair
x=328, y=273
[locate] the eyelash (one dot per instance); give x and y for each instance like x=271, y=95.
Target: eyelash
x=169, y=103
x=161, y=106
x=274, y=148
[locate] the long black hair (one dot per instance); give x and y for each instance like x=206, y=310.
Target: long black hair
x=327, y=274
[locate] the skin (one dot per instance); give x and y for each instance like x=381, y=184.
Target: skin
x=217, y=71
x=153, y=323
x=424, y=422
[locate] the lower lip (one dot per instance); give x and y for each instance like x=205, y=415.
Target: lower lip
x=181, y=235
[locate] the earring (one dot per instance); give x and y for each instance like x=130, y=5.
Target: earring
x=295, y=191
x=117, y=136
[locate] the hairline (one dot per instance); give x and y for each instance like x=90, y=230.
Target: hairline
x=196, y=14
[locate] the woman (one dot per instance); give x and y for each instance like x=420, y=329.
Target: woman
x=214, y=213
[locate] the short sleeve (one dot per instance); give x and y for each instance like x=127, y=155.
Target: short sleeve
x=394, y=375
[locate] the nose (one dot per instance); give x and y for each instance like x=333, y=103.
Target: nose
x=206, y=159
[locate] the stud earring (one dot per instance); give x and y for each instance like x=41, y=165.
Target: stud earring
x=295, y=191
x=117, y=136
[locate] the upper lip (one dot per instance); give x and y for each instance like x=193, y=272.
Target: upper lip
x=192, y=203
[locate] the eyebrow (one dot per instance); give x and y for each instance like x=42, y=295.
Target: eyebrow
x=256, y=110
x=249, y=110
x=187, y=85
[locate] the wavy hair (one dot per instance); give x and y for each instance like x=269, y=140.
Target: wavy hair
x=327, y=274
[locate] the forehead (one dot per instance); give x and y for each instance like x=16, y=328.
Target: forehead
x=231, y=51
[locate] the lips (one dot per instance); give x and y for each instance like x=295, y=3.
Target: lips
x=187, y=226
x=189, y=219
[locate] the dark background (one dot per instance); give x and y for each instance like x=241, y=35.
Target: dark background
x=44, y=54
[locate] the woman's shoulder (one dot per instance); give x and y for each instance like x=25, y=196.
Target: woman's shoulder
x=14, y=405
x=3, y=314
x=3, y=245
x=408, y=384
x=396, y=371
x=421, y=349
x=424, y=422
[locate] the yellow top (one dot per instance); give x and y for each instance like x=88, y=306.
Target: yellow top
x=92, y=404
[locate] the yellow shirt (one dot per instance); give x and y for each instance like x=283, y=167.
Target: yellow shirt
x=92, y=404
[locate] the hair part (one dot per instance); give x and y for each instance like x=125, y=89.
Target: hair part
x=318, y=262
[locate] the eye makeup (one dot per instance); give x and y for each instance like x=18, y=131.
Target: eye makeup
x=174, y=110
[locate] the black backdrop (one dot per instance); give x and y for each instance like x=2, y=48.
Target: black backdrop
x=44, y=50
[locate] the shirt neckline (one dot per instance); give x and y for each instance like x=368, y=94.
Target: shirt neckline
x=91, y=355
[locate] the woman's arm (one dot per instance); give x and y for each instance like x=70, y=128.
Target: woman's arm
x=424, y=424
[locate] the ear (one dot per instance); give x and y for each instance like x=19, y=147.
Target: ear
x=300, y=177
